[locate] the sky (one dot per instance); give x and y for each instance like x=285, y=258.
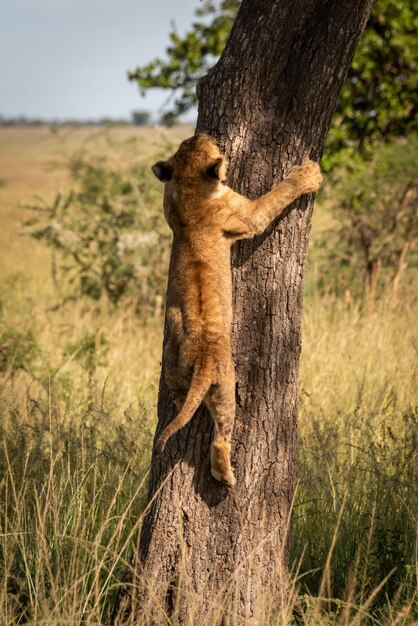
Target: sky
x=69, y=58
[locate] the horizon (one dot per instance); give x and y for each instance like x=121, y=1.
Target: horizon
x=92, y=121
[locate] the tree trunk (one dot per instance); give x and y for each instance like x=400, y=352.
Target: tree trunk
x=209, y=555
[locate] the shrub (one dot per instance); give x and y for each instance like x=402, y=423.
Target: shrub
x=108, y=233
x=375, y=206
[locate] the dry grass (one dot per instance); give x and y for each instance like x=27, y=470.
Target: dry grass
x=71, y=502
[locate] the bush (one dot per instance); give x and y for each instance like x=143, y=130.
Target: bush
x=375, y=206
x=141, y=118
x=108, y=233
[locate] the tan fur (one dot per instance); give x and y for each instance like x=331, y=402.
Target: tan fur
x=206, y=217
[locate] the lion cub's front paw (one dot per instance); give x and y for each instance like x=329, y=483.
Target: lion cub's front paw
x=308, y=176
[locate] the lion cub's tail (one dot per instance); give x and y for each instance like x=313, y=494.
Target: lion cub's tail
x=201, y=381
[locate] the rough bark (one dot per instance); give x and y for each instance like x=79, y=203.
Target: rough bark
x=217, y=556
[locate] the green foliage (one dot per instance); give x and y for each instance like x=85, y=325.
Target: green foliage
x=191, y=56
x=379, y=98
x=376, y=209
x=108, y=232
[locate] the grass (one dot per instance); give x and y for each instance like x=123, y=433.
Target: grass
x=358, y=456
x=78, y=387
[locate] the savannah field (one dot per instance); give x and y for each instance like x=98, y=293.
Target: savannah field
x=78, y=387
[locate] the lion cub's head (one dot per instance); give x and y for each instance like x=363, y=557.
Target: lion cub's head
x=198, y=160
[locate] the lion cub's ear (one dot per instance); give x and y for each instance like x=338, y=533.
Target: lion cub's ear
x=163, y=171
x=216, y=170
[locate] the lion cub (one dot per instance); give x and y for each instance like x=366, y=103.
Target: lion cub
x=206, y=217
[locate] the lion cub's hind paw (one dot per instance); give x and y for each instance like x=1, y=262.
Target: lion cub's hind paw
x=228, y=479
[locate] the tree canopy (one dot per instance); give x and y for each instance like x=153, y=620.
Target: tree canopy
x=379, y=97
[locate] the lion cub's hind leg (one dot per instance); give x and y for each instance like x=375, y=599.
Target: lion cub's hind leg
x=221, y=404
